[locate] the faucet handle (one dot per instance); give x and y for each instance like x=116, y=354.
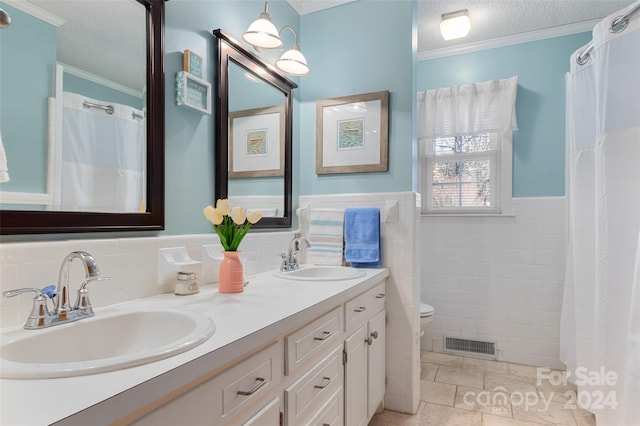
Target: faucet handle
x=39, y=316
x=283, y=265
x=83, y=304
x=18, y=291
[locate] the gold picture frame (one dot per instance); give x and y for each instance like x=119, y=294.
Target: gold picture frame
x=352, y=133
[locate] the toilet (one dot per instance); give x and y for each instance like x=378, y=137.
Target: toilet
x=426, y=316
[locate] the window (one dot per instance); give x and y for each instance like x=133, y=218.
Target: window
x=465, y=148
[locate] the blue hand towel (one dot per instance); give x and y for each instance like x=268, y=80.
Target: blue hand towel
x=362, y=237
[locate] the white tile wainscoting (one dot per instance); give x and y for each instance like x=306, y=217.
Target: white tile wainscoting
x=498, y=279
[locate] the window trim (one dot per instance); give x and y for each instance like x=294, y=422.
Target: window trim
x=503, y=173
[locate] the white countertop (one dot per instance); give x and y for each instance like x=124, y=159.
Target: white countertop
x=268, y=308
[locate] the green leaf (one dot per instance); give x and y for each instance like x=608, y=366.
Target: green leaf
x=223, y=238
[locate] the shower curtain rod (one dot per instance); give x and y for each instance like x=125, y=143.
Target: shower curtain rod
x=618, y=25
x=108, y=109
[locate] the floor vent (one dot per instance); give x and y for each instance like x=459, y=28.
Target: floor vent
x=470, y=347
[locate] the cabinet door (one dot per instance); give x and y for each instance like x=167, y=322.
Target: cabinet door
x=355, y=383
x=376, y=348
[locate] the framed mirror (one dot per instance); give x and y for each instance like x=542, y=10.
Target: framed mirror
x=253, y=134
x=90, y=185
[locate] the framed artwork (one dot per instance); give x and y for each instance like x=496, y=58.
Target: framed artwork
x=256, y=142
x=352, y=133
x=192, y=63
x=193, y=92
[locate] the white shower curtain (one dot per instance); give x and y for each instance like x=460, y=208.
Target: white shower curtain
x=103, y=157
x=600, y=325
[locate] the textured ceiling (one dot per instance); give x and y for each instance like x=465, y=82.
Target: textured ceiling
x=492, y=19
x=92, y=28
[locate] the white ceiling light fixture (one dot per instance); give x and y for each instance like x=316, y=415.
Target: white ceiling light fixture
x=262, y=33
x=293, y=61
x=455, y=25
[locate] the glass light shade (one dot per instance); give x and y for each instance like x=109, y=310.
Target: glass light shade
x=262, y=33
x=455, y=25
x=293, y=62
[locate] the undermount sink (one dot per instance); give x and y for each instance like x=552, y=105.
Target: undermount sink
x=321, y=273
x=101, y=344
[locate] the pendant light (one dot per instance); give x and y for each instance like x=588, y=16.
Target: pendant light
x=262, y=33
x=293, y=61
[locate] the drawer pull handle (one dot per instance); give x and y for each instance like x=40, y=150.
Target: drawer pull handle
x=374, y=334
x=380, y=296
x=325, y=336
x=324, y=384
x=360, y=309
x=261, y=382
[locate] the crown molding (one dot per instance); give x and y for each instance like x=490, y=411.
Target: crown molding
x=493, y=43
x=35, y=11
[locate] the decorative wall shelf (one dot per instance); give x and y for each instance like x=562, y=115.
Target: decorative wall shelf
x=193, y=92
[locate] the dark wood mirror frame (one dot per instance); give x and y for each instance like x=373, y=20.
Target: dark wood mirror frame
x=13, y=222
x=229, y=49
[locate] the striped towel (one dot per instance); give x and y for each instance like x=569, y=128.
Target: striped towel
x=325, y=236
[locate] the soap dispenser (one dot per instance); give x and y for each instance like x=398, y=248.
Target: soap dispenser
x=187, y=284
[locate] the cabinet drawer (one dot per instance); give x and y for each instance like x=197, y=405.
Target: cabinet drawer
x=361, y=308
x=312, y=391
x=312, y=339
x=331, y=413
x=246, y=384
x=217, y=400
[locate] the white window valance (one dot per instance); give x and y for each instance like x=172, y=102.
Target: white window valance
x=468, y=109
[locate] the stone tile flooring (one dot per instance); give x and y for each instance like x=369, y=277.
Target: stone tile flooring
x=456, y=390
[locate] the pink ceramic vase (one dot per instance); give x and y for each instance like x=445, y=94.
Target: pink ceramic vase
x=231, y=273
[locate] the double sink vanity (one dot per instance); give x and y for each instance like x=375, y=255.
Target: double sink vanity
x=305, y=348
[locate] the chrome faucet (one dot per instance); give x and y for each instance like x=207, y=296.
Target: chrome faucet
x=63, y=312
x=92, y=274
x=290, y=260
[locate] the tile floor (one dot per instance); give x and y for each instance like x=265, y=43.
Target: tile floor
x=462, y=391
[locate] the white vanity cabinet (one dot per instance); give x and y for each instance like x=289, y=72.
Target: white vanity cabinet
x=365, y=356
x=329, y=370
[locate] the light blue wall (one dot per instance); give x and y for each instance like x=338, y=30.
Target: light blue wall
x=189, y=146
x=360, y=47
x=27, y=58
x=539, y=145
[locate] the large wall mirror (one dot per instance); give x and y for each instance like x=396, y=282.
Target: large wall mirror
x=82, y=116
x=253, y=134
